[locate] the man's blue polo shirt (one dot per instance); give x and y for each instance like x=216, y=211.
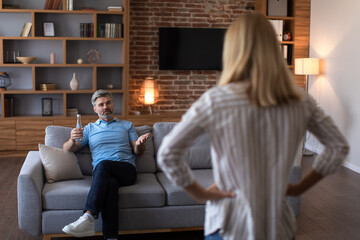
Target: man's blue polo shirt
x=110, y=140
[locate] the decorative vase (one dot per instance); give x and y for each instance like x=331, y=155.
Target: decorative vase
x=74, y=83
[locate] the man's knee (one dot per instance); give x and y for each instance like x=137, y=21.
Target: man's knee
x=103, y=165
x=102, y=169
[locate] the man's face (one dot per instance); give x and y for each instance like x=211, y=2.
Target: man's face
x=104, y=107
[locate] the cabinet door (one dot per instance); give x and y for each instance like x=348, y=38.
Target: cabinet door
x=7, y=135
x=30, y=133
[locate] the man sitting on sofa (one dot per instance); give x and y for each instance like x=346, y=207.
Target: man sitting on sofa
x=112, y=144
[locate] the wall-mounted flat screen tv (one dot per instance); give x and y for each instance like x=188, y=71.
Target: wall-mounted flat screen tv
x=190, y=48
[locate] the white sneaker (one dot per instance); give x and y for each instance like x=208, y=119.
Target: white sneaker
x=80, y=228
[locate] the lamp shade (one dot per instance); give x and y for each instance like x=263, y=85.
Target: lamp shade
x=307, y=66
x=149, y=93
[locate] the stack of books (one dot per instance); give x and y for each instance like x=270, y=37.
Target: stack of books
x=110, y=30
x=115, y=8
x=86, y=30
x=26, y=30
x=47, y=86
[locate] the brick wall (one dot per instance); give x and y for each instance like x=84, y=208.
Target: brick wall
x=177, y=89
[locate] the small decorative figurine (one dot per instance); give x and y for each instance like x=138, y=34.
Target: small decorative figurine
x=93, y=56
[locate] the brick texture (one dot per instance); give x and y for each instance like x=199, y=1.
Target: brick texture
x=177, y=89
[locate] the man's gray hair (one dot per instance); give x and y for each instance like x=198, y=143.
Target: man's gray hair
x=100, y=93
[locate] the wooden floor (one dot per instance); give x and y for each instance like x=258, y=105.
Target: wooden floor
x=329, y=211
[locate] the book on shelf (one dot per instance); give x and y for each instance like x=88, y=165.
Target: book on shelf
x=23, y=30
x=52, y=4
x=110, y=30
x=47, y=4
x=70, y=5
x=287, y=53
x=86, y=30
x=278, y=26
x=26, y=30
x=9, y=106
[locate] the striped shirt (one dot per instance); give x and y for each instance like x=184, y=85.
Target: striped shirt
x=252, y=150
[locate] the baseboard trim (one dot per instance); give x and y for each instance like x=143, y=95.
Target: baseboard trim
x=346, y=164
x=313, y=149
x=351, y=166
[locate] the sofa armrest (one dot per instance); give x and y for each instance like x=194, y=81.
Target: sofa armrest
x=29, y=187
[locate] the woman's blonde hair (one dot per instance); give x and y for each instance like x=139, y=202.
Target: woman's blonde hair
x=252, y=54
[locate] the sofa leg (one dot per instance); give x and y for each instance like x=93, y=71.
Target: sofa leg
x=123, y=232
x=61, y=235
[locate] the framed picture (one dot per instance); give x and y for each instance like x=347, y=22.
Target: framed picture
x=46, y=106
x=49, y=29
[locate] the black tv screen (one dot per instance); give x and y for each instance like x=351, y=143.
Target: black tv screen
x=190, y=48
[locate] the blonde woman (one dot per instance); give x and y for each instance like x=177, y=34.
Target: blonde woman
x=255, y=119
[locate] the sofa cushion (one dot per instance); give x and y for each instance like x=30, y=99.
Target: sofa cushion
x=85, y=162
x=57, y=135
x=198, y=156
x=59, y=164
x=175, y=195
x=146, y=162
x=72, y=194
x=146, y=192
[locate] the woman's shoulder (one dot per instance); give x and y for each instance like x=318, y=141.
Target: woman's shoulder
x=229, y=89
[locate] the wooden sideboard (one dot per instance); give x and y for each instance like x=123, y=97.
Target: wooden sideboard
x=25, y=134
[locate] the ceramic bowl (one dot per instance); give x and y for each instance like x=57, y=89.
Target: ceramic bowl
x=26, y=60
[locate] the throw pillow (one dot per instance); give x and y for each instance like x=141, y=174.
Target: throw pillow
x=59, y=164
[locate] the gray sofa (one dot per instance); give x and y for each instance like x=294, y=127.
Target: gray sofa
x=151, y=203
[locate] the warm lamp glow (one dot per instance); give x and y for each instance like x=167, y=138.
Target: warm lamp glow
x=307, y=66
x=149, y=93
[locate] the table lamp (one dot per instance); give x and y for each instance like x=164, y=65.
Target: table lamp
x=149, y=93
x=306, y=66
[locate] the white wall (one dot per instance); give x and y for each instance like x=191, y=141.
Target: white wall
x=335, y=38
